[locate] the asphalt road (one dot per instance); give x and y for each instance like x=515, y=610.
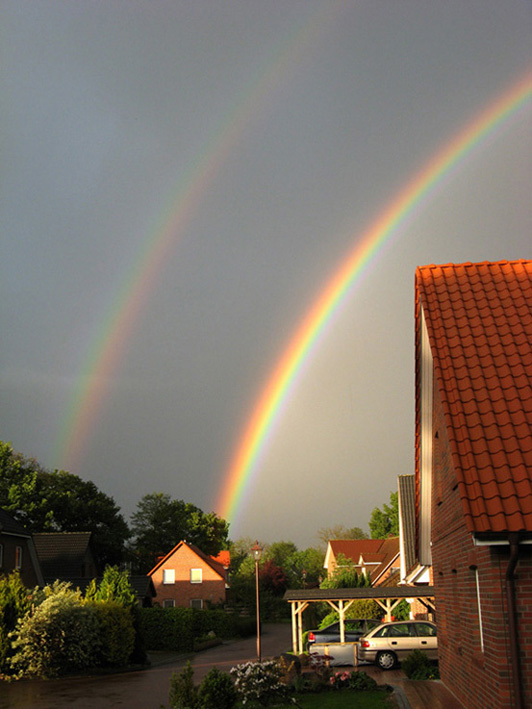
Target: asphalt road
x=145, y=689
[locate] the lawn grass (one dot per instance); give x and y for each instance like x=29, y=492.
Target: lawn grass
x=344, y=699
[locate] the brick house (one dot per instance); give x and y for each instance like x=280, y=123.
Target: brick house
x=189, y=578
x=474, y=474
x=376, y=558
x=17, y=551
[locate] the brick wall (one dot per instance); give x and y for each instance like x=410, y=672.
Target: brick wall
x=182, y=591
x=475, y=667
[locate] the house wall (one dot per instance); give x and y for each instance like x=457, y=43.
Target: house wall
x=210, y=590
x=474, y=654
x=27, y=571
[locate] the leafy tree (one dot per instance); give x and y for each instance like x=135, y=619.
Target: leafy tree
x=385, y=522
x=160, y=522
x=58, y=501
x=272, y=578
x=346, y=576
x=338, y=531
x=114, y=586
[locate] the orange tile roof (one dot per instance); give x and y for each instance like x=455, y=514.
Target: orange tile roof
x=479, y=323
x=353, y=548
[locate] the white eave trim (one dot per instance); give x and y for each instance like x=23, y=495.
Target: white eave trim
x=497, y=542
x=425, y=443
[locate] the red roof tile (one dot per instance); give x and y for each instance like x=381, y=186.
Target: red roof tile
x=479, y=323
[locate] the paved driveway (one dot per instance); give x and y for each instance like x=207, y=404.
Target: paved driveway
x=146, y=689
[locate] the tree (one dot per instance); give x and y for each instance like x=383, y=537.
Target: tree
x=338, y=531
x=58, y=501
x=385, y=522
x=272, y=578
x=346, y=576
x=160, y=523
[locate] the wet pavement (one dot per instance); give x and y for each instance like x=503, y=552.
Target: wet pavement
x=148, y=689
x=144, y=689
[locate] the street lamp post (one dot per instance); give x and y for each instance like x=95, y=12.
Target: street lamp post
x=257, y=553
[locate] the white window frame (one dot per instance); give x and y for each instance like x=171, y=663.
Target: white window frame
x=198, y=601
x=196, y=575
x=169, y=603
x=18, y=557
x=168, y=576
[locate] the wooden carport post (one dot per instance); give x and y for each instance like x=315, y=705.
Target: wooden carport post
x=297, y=625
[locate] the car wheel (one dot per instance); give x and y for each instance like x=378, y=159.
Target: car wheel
x=386, y=660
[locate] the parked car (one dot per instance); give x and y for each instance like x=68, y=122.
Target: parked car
x=355, y=628
x=389, y=643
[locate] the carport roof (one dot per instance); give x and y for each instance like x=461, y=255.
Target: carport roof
x=348, y=594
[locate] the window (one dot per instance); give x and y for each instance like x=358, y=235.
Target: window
x=424, y=629
x=1, y=555
x=168, y=575
x=195, y=576
x=169, y=603
x=196, y=603
x=18, y=557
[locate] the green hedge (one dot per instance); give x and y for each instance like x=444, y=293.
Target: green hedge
x=176, y=628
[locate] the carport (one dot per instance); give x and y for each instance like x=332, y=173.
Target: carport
x=340, y=599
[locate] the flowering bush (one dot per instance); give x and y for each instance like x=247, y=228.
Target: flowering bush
x=352, y=680
x=260, y=682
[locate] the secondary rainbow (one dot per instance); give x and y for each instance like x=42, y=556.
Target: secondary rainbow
x=266, y=413
x=95, y=382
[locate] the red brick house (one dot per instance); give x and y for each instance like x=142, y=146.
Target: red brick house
x=189, y=578
x=17, y=551
x=474, y=474
x=377, y=558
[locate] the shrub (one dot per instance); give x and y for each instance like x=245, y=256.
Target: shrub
x=260, y=682
x=15, y=602
x=117, y=634
x=418, y=666
x=60, y=635
x=167, y=628
x=359, y=681
x=217, y=690
x=183, y=693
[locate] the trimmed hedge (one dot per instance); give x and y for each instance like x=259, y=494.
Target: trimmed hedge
x=176, y=628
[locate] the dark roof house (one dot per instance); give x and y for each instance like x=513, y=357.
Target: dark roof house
x=65, y=555
x=474, y=473
x=17, y=551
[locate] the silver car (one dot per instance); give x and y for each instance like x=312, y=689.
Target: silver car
x=389, y=643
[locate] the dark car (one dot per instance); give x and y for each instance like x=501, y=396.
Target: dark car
x=392, y=642
x=355, y=628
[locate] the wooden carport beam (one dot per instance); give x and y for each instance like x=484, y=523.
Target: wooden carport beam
x=388, y=606
x=341, y=609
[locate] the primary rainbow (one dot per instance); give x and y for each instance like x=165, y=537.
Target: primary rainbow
x=270, y=402
x=95, y=382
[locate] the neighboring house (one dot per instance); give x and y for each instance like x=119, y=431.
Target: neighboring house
x=17, y=551
x=412, y=573
x=376, y=558
x=187, y=577
x=474, y=474
x=65, y=556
